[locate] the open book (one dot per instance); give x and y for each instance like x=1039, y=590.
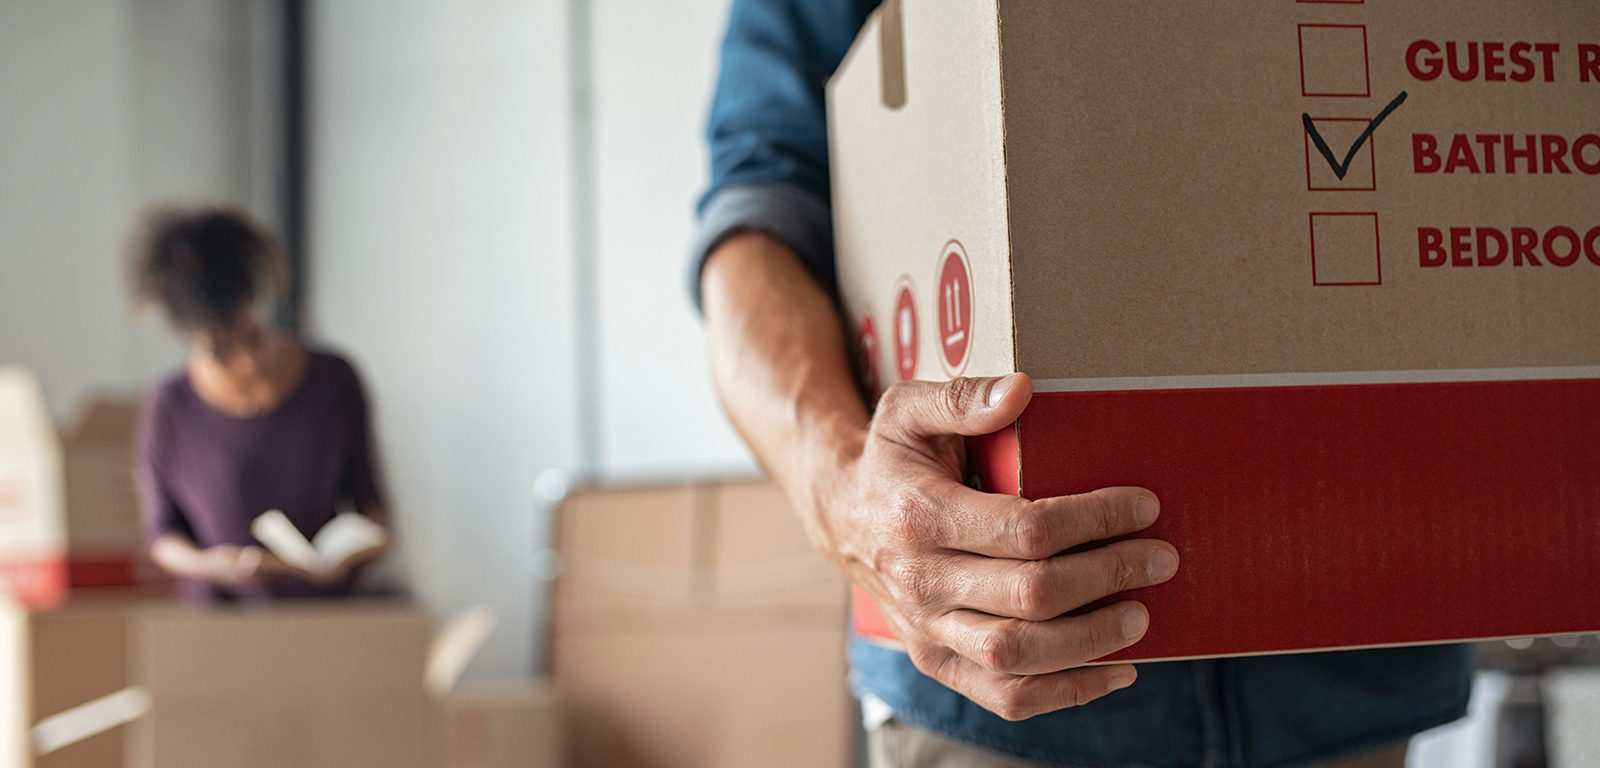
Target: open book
x=344, y=540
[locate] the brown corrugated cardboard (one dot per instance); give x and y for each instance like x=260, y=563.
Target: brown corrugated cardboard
x=640, y=549
x=105, y=542
x=55, y=660
x=763, y=556
x=1323, y=275
x=507, y=724
x=1135, y=184
x=703, y=697
x=329, y=685
x=741, y=664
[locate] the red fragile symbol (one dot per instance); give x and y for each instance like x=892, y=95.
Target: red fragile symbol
x=867, y=357
x=905, y=331
x=12, y=499
x=955, y=308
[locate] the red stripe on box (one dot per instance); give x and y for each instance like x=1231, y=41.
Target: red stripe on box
x=100, y=571
x=1328, y=517
x=37, y=582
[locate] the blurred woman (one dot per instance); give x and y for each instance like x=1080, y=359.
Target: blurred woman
x=253, y=421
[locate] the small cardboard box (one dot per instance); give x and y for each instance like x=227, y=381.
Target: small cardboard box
x=105, y=541
x=506, y=724
x=69, y=516
x=33, y=538
x=695, y=626
x=1323, y=275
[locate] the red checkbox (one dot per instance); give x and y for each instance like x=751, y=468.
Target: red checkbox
x=1341, y=133
x=1345, y=249
x=1333, y=60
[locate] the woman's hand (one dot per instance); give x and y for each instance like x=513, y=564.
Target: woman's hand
x=230, y=565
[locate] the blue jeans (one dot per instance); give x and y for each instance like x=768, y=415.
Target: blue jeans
x=1256, y=712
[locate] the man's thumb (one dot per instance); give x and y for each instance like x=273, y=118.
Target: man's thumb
x=967, y=406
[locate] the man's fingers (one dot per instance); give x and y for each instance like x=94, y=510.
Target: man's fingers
x=998, y=525
x=1038, y=590
x=915, y=410
x=1016, y=697
x=1017, y=647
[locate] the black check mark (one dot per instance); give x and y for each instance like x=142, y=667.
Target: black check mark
x=1340, y=169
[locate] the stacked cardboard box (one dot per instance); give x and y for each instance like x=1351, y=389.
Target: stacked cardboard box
x=105, y=543
x=695, y=626
x=68, y=512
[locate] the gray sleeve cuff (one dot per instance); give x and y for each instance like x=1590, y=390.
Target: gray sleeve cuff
x=797, y=219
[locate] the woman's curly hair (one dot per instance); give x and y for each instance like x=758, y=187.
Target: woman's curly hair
x=204, y=266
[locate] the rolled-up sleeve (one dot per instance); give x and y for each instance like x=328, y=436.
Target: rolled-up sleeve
x=768, y=130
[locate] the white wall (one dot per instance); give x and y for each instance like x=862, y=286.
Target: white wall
x=105, y=106
x=439, y=259
x=654, y=68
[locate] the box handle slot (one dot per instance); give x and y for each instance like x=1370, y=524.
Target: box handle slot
x=892, y=54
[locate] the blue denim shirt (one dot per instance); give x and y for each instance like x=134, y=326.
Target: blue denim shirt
x=769, y=155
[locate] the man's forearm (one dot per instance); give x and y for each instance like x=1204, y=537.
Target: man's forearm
x=779, y=360
x=975, y=585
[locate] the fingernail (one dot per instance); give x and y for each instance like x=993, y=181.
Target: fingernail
x=1134, y=623
x=1162, y=564
x=1145, y=510
x=1121, y=680
x=998, y=390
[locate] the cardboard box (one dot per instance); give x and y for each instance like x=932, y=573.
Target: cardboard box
x=506, y=724
x=696, y=626
x=69, y=515
x=1370, y=417
x=32, y=528
x=52, y=661
x=336, y=684
x=105, y=539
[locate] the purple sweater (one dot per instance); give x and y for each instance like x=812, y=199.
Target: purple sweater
x=206, y=475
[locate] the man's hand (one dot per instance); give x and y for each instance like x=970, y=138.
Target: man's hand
x=975, y=584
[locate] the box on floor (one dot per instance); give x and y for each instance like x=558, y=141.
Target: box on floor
x=503, y=724
x=325, y=685
x=695, y=626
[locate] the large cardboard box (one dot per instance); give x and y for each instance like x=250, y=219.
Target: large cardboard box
x=1325, y=275
x=316, y=686
x=696, y=626
x=335, y=684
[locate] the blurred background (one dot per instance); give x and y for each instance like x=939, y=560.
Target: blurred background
x=488, y=206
